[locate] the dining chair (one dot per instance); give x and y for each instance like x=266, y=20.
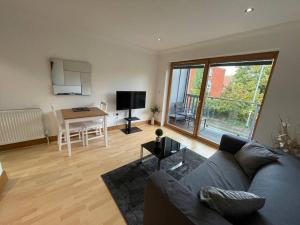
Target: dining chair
x=96, y=127
x=76, y=129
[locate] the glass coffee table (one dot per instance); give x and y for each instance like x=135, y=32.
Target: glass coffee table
x=163, y=149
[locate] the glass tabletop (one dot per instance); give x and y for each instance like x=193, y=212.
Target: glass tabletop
x=165, y=148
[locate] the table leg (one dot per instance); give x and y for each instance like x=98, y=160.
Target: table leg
x=183, y=156
x=67, y=126
x=158, y=164
x=141, y=155
x=105, y=131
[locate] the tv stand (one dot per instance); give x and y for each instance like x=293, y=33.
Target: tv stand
x=128, y=129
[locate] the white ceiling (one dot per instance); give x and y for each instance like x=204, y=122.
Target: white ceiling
x=141, y=22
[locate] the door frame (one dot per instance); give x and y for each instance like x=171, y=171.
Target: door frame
x=172, y=65
x=207, y=61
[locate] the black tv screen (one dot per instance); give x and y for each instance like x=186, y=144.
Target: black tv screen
x=131, y=99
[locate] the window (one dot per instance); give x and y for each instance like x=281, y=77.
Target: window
x=216, y=96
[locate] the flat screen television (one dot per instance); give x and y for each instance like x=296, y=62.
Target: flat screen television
x=131, y=100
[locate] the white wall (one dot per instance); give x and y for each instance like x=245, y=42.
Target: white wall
x=25, y=49
x=284, y=90
x=1, y=169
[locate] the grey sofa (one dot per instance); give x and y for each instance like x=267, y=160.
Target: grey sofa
x=168, y=201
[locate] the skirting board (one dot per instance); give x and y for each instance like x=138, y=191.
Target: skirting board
x=158, y=123
x=3, y=179
x=24, y=144
x=54, y=138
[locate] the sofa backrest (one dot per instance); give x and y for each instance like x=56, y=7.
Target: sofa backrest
x=231, y=143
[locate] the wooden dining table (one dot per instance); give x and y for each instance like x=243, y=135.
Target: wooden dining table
x=94, y=113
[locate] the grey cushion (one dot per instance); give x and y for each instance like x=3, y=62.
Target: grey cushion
x=232, y=204
x=253, y=156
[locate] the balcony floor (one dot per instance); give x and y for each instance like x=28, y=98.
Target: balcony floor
x=209, y=133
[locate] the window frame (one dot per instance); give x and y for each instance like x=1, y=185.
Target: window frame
x=207, y=62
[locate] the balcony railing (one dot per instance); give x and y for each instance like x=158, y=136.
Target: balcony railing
x=220, y=114
x=188, y=105
x=229, y=115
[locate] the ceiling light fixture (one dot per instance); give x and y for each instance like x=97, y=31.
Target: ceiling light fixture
x=249, y=10
x=158, y=39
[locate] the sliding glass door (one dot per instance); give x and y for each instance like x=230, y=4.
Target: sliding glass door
x=184, y=96
x=211, y=97
x=233, y=98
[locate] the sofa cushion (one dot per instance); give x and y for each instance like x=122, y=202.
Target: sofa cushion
x=231, y=204
x=279, y=183
x=221, y=170
x=253, y=156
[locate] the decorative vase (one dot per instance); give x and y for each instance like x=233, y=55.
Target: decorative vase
x=152, y=120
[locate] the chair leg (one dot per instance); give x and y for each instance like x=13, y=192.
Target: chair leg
x=86, y=137
x=81, y=133
x=59, y=139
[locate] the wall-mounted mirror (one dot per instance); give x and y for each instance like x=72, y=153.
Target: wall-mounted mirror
x=70, y=77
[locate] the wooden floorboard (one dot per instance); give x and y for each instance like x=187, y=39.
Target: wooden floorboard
x=47, y=187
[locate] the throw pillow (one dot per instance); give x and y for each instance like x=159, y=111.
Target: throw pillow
x=253, y=156
x=231, y=204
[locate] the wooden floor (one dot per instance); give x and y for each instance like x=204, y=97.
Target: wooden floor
x=47, y=187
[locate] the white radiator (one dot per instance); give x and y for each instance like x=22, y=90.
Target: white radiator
x=20, y=125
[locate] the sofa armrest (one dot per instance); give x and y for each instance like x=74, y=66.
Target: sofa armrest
x=231, y=144
x=169, y=202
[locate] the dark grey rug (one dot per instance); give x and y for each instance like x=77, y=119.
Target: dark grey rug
x=127, y=183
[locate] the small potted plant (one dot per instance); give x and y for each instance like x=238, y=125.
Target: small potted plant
x=159, y=132
x=154, y=109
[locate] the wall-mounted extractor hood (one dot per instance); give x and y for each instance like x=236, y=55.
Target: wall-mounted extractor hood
x=70, y=77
